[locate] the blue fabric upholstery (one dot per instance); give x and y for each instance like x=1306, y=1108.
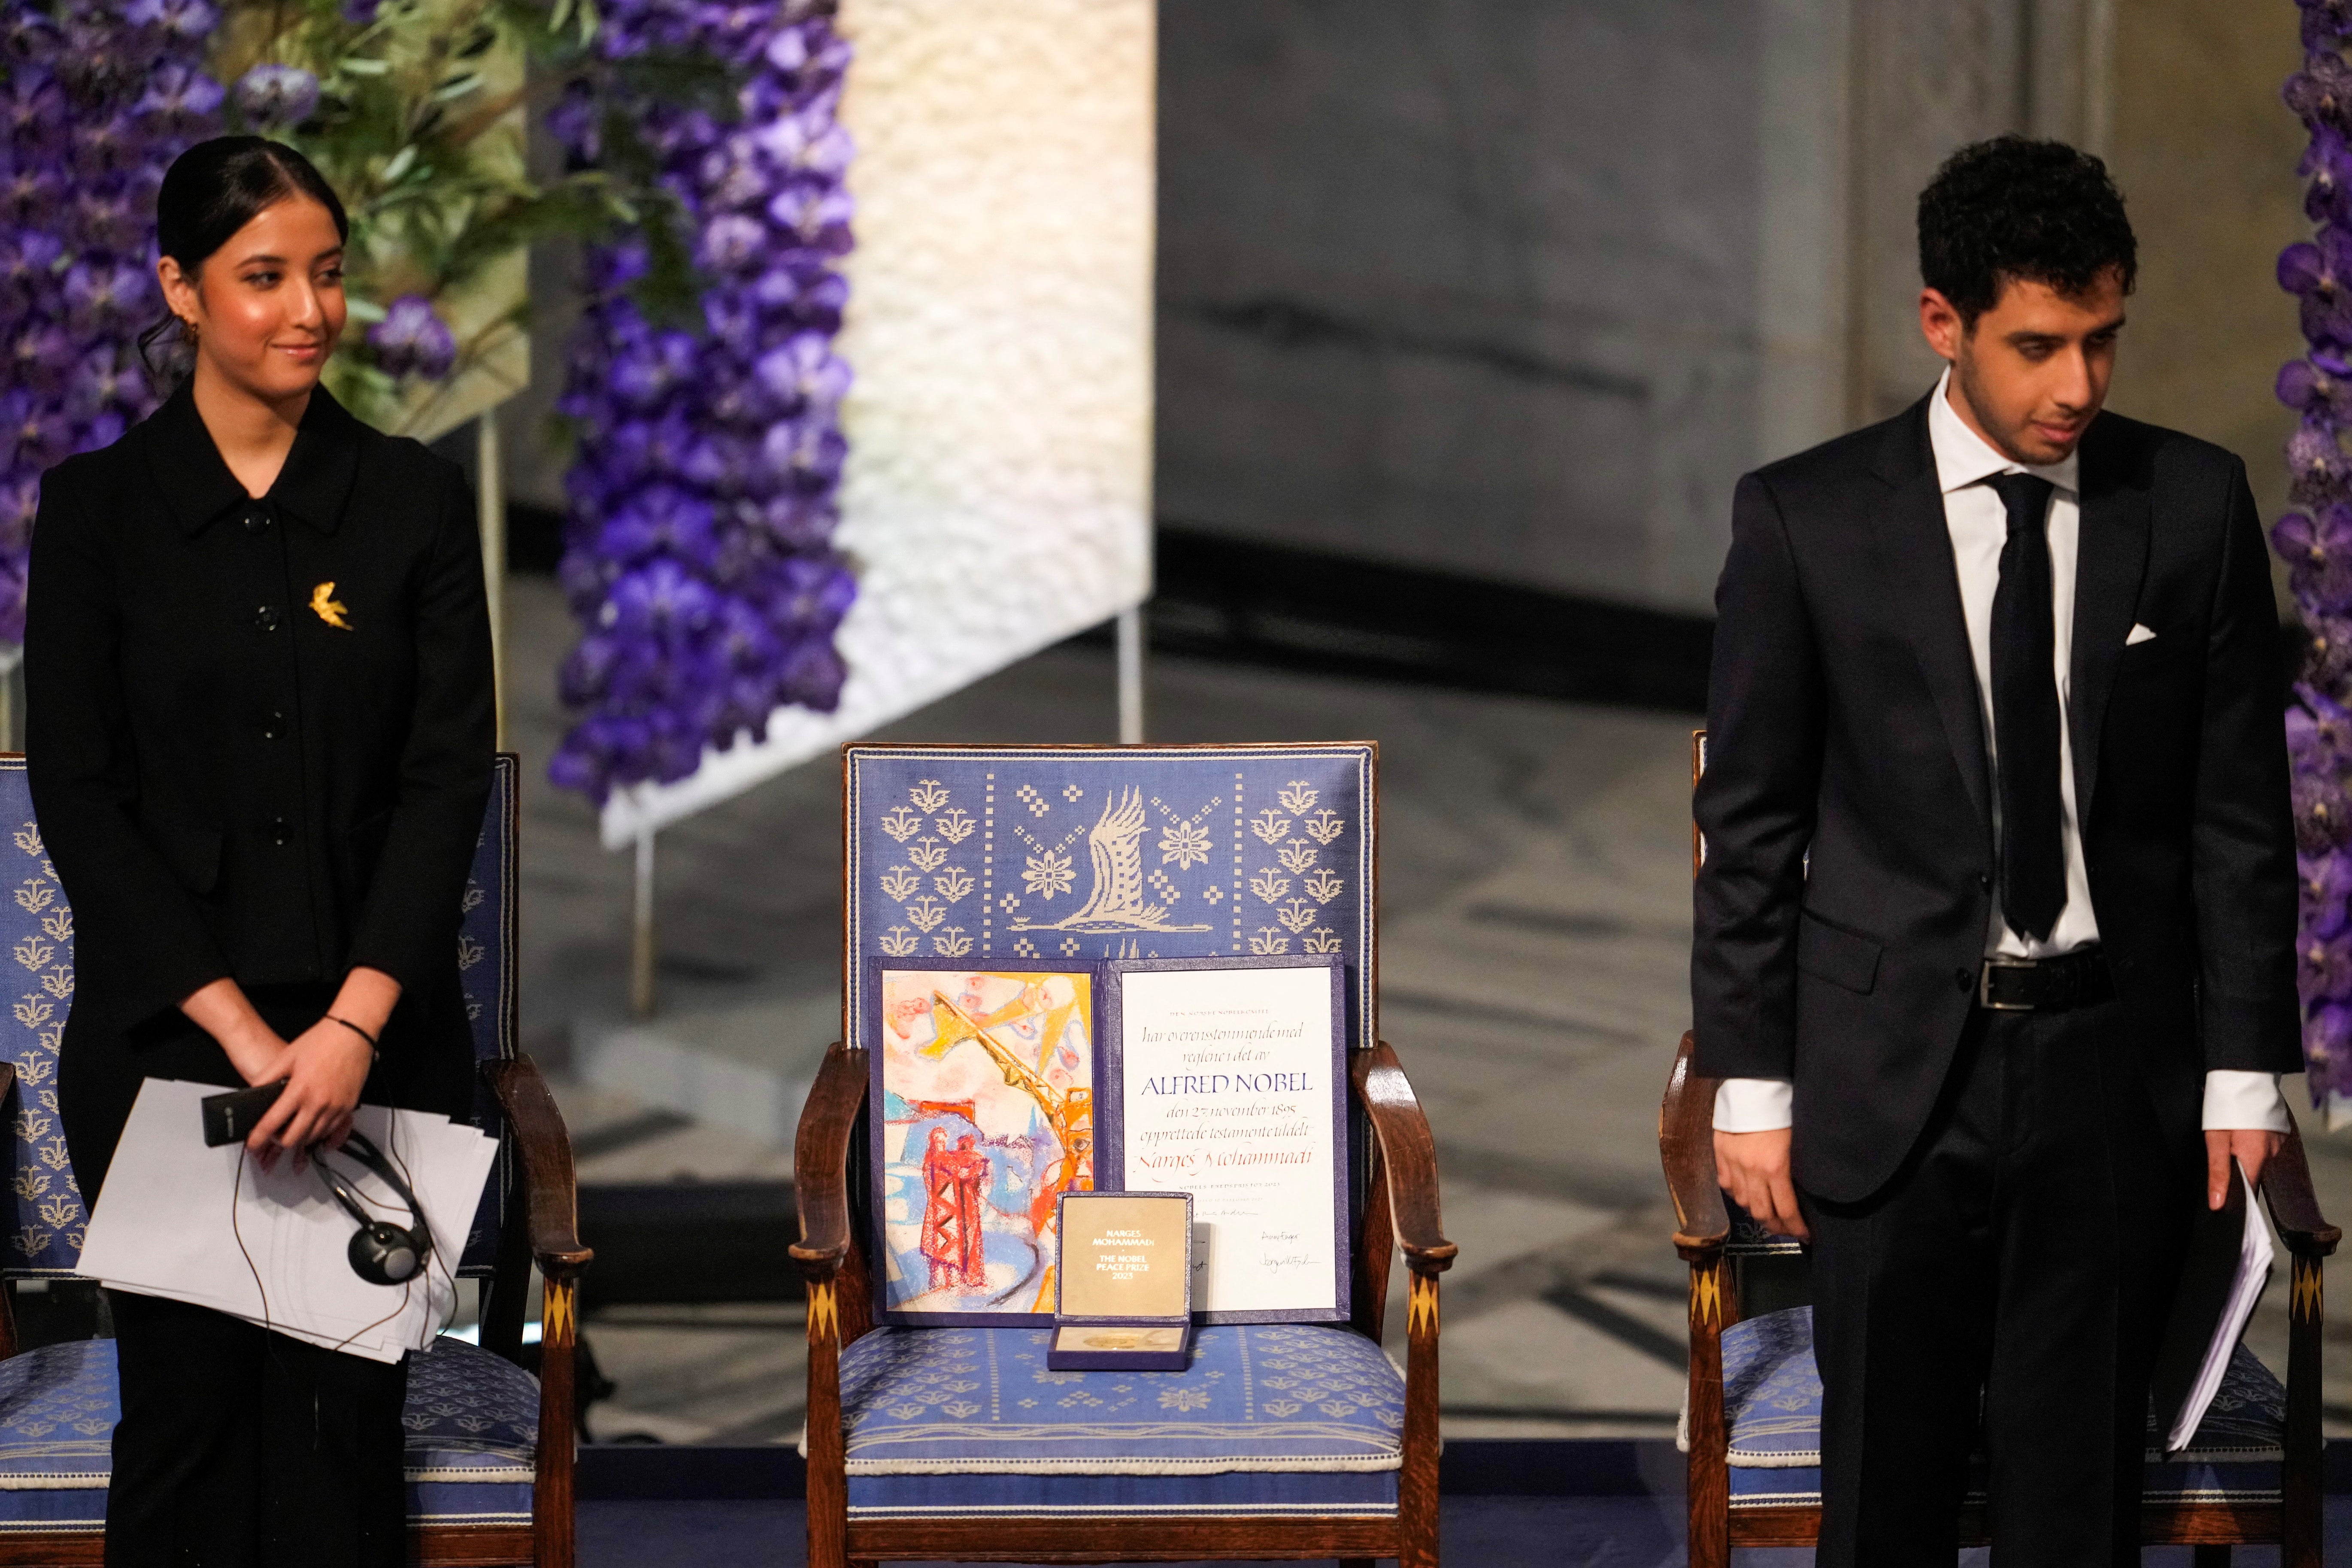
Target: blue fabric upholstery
x=487, y=969
x=472, y=1422
x=36, y=933
x=1203, y=822
x=1270, y=1419
x=1772, y=1407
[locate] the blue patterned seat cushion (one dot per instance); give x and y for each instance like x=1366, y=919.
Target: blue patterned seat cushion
x=472, y=1420
x=1269, y=1419
x=1772, y=1405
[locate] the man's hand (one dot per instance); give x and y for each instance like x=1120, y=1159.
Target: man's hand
x=2253, y=1147
x=1753, y=1167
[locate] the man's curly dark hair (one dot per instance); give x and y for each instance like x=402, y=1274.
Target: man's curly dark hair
x=2015, y=208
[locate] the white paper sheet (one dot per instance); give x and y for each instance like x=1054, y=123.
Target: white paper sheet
x=2253, y=1273
x=211, y=1226
x=1225, y=1091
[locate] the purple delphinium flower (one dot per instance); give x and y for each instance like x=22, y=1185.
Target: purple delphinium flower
x=2324, y=882
x=412, y=340
x=180, y=101
x=274, y=95
x=95, y=102
x=698, y=539
x=2316, y=543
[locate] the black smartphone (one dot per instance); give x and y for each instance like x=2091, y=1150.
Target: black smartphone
x=231, y=1118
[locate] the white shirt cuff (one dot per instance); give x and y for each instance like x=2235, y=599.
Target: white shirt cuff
x=2233, y=1101
x=1755, y=1104
x=2237, y=1101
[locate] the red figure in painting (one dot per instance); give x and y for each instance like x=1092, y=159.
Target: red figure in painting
x=953, y=1239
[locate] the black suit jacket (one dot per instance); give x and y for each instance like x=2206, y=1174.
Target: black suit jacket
x=228, y=782
x=1844, y=720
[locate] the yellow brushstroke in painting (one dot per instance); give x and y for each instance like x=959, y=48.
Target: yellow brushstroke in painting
x=1070, y=1112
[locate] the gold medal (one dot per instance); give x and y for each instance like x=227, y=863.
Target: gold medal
x=324, y=606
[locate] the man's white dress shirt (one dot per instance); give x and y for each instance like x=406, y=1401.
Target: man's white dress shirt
x=1978, y=524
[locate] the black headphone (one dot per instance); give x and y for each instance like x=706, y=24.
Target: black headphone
x=382, y=1253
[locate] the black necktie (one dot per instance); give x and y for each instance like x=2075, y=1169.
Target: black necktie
x=2025, y=714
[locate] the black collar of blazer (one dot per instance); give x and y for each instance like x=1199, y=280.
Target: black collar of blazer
x=196, y=482
x=2111, y=558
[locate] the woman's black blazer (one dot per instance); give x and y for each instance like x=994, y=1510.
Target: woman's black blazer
x=258, y=732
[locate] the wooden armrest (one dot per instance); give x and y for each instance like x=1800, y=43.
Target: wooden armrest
x=552, y=1206
x=2295, y=1207
x=1409, y=1156
x=1686, y=1149
x=821, y=1161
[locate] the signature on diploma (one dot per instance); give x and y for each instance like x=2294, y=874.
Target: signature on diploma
x=1271, y=1255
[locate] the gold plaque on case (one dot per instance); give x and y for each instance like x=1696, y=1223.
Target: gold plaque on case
x=1108, y=1338
x=1125, y=1256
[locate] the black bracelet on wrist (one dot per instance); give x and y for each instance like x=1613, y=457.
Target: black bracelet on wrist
x=355, y=1029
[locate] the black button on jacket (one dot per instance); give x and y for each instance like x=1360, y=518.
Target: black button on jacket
x=258, y=731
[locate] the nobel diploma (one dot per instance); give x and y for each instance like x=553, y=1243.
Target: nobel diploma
x=1226, y=1088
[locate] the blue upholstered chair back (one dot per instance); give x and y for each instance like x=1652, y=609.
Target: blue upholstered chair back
x=37, y=931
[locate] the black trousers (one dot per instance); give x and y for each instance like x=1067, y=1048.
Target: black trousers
x=2007, y=1289
x=239, y=1449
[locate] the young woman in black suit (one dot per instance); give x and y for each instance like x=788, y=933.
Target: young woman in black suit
x=260, y=731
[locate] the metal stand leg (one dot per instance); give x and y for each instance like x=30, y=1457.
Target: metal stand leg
x=1131, y=677
x=641, y=932
x=491, y=503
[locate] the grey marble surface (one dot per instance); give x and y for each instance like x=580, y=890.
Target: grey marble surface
x=1534, y=881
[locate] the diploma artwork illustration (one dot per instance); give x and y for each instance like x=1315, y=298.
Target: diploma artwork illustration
x=983, y=1116
x=1229, y=1077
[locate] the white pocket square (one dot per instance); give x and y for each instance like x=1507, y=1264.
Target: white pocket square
x=2139, y=634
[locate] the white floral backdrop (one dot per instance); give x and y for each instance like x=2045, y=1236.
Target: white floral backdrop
x=998, y=492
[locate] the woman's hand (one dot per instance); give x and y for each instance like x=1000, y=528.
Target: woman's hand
x=328, y=1063
x=223, y=1011
x=329, y=1066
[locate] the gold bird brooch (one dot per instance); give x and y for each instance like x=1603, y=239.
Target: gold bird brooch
x=324, y=606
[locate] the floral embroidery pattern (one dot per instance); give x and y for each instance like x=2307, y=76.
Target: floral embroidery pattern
x=1109, y=853
x=1048, y=874
x=927, y=1399
x=50, y=1218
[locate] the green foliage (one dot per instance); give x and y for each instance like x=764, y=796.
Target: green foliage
x=419, y=126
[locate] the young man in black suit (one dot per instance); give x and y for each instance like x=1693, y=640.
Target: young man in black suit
x=1997, y=913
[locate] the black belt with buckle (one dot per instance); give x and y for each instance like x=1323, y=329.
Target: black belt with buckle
x=2045, y=985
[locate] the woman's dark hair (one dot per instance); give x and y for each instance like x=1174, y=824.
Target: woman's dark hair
x=2016, y=209
x=215, y=188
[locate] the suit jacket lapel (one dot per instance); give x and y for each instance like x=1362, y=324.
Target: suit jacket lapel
x=1925, y=585
x=2111, y=557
